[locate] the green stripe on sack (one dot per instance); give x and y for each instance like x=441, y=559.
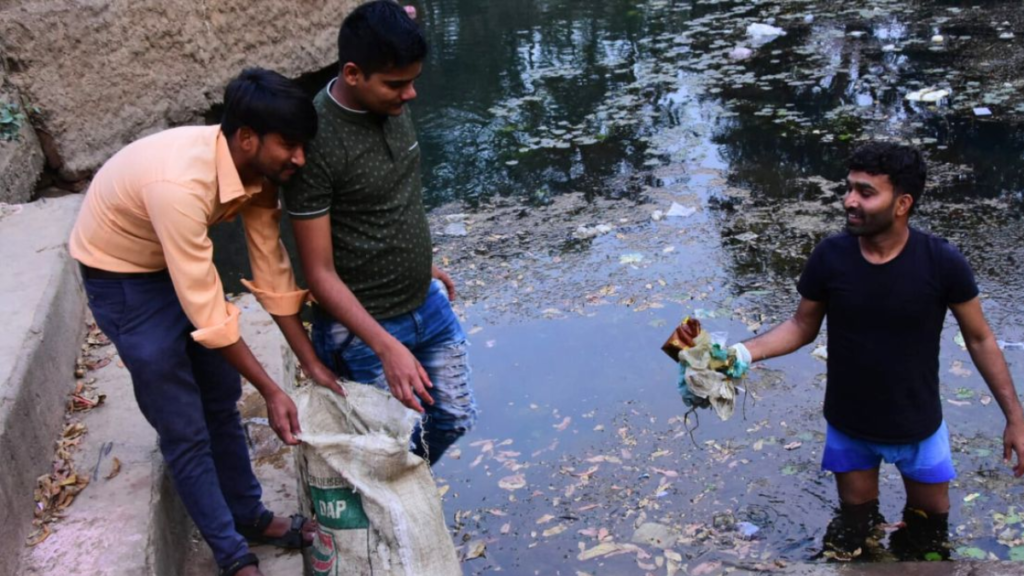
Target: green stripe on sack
x=339, y=508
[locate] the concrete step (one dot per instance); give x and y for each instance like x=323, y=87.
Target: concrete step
x=131, y=523
x=42, y=308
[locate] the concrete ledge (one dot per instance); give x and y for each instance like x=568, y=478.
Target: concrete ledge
x=42, y=307
x=132, y=523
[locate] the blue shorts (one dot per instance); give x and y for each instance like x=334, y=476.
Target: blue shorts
x=928, y=461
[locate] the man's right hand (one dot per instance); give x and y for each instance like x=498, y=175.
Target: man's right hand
x=406, y=377
x=283, y=416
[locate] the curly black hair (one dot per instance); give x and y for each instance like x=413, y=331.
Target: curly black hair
x=904, y=165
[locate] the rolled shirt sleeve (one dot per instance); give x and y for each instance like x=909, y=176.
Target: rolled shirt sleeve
x=182, y=226
x=273, y=281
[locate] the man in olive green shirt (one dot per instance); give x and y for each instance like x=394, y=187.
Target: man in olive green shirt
x=384, y=315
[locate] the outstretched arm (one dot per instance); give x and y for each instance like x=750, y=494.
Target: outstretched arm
x=988, y=358
x=789, y=336
x=406, y=377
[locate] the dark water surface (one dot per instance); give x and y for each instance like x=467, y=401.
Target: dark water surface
x=539, y=117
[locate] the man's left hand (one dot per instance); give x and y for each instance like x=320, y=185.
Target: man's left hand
x=323, y=376
x=1013, y=441
x=446, y=280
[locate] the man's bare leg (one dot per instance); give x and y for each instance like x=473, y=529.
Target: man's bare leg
x=858, y=514
x=928, y=498
x=857, y=487
x=925, y=534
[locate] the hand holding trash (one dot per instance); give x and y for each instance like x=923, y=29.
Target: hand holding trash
x=707, y=369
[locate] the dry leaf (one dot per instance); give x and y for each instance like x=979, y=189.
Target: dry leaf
x=475, y=549
x=555, y=530
x=512, y=483
x=115, y=469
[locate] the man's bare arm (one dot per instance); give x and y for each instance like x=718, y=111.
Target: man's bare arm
x=989, y=360
x=789, y=336
x=406, y=377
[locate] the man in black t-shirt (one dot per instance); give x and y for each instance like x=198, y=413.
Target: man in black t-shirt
x=885, y=288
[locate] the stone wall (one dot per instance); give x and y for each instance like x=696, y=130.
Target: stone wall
x=21, y=158
x=105, y=72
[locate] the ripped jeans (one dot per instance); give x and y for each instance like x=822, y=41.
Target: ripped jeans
x=433, y=334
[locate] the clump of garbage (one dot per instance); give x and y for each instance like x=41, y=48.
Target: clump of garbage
x=930, y=95
x=708, y=370
x=763, y=33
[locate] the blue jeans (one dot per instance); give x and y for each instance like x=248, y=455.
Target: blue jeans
x=433, y=334
x=189, y=394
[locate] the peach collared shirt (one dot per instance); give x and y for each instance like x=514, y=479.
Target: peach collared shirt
x=150, y=207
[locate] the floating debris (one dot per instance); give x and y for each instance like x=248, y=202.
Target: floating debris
x=930, y=95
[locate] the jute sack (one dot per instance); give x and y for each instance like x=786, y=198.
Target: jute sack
x=376, y=503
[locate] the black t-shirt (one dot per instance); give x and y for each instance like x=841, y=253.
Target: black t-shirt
x=884, y=326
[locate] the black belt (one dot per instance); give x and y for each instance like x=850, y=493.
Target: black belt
x=97, y=274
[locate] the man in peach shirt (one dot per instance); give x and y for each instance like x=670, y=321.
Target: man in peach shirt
x=147, y=264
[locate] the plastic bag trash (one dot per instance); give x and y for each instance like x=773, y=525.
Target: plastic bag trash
x=584, y=232
x=764, y=33
x=763, y=30
x=930, y=95
x=740, y=53
x=456, y=229
x=678, y=210
x=707, y=370
x=747, y=530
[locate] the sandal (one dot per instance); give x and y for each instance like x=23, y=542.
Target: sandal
x=292, y=539
x=236, y=567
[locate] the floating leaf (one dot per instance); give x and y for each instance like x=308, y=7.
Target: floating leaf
x=972, y=552
x=512, y=483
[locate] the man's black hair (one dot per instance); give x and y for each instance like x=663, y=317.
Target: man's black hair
x=378, y=36
x=904, y=165
x=267, y=102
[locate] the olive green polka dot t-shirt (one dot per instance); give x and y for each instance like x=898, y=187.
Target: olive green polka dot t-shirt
x=363, y=170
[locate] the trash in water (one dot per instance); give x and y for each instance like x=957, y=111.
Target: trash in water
x=631, y=258
x=938, y=39
x=1004, y=345
x=747, y=530
x=584, y=232
x=982, y=112
x=678, y=210
x=865, y=100
x=740, y=53
x=456, y=229
x=1006, y=36
x=930, y=95
x=657, y=215
x=764, y=33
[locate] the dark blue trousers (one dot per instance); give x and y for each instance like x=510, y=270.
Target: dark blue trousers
x=189, y=394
